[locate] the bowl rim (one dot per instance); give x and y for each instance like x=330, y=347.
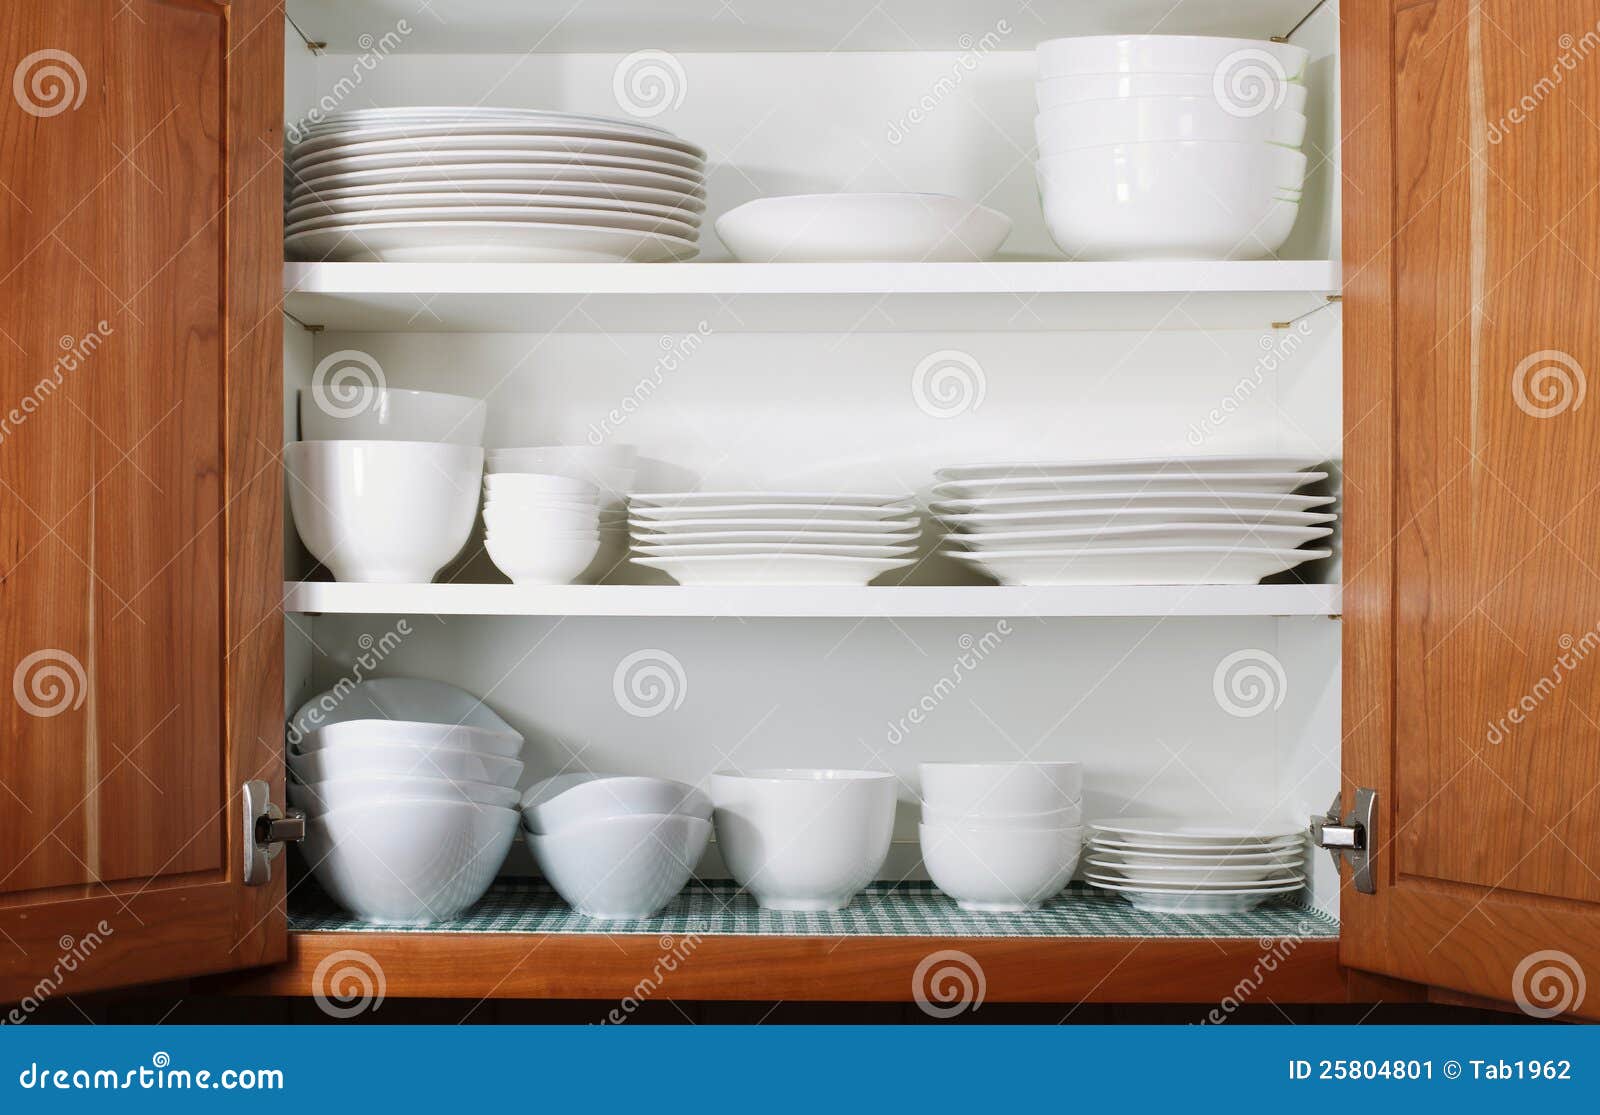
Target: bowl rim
x=804, y=775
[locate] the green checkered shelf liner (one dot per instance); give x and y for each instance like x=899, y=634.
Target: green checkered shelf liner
x=908, y=909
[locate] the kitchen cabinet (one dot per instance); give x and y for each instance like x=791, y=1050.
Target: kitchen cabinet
x=1438, y=291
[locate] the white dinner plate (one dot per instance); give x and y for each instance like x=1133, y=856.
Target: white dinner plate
x=485, y=241
x=305, y=157
x=463, y=203
x=1287, y=855
x=1195, y=903
x=508, y=191
x=523, y=155
x=872, y=528
x=762, y=549
x=777, y=569
x=784, y=537
x=1283, y=846
x=408, y=113
x=1055, y=503
x=469, y=175
x=1199, y=885
x=430, y=135
x=599, y=218
x=1142, y=565
x=1205, y=832
x=1087, y=482
x=1048, y=469
x=1215, y=874
x=1019, y=522
x=1149, y=534
x=706, y=498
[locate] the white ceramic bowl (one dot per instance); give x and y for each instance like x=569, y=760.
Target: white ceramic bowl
x=1067, y=817
x=547, y=788
x=391, y=512
x=597, y=799
x=621, y=867
x=413, y=865
x=334, y=412
x=1187, y=200
x=322, y=797
x=1246, y=96
x=809, y=228
x=1161, y=120
x=996, y=790
x=398, y=701
x=1177, y=54
x=452, y=737
x=550, y=560
x=535, y=521
x=800, y=839
x=999, y=870
x=540, y=486
x=380, y=760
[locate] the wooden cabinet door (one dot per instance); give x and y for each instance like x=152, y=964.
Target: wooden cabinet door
x=140, y=491
x=1472, y=492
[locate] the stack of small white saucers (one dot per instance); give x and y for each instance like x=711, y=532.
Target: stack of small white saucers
x=610, y=468
x=772, y=538
x=1176, y=867
x=474, y=184
x=409, y=790
x=1145, y=521
x=615, y=846
x=540, y=528
x=1001, y=837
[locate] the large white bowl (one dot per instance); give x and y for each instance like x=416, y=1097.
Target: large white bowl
x=596, y=799
x=800, y=839
x=809, y=228
x=1186, y=200
x=1162, y=120
x=379, y=760
x=390, y=512
x=334, y=412
x=408, y=864
x=999, y=870
x=406, y=704
x=1177, y=54
x=621, y=867
x=549, y=560
x=1259, y=95
x=989, y=791
x=451, y=737
x=323, y=797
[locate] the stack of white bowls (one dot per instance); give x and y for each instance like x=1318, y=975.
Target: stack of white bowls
x=610, y=468
x=616, y=846
x=1184, y=867
x=1170, y=146
x=541, y=529
x=409, y=788
x=384, y=488
x=1001, y=837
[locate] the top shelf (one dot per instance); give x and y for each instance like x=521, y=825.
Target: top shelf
x=622, y=26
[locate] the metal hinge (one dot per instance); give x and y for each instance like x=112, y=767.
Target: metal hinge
x=1351, y=838
x=267, y=827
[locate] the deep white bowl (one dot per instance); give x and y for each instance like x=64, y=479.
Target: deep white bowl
x=998, y=790
x=323, y=797
x=390, y=512
x=451, y=737
x=1246, y=96
x=1070, y=816
x=809, y=228
x=551, y=560
x=413, y=865
x=336, y=413
x=800, y=839
x=1161, y=120
x=1177, y=54
x=621, y=867
x=379, y=760
x=597, y=799
x=999, y=870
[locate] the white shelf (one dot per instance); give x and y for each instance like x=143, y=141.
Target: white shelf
x=817, y=297
x=988, y=601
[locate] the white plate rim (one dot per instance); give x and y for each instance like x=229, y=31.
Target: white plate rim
x=1162, y=827
x=1202, y=480
x=508, y=127
x=510, y=215
x=975, y=471
x=532, y=172
x=1287, y=888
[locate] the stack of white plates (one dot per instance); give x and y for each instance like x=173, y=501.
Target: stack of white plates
x=1174, y=867
x=1170, y=146
x=540, y=529
x=1144, y=521
x=772, y=538
x=473, y=184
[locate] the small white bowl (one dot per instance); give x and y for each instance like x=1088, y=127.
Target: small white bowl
x=810, y=228
x=537, y=524
x=621, y=867
x=531, y=485
x=378, y=760
x=1162, y=120
x=451, y=737
x=388, y=512
x=999, y=870
x=999, y=790
x=597, y=799
x=1070, y=816
x=1177, y=54
x=410, y=864
x=1258, y=92
x=323, y=797
x=800, y=839
x=547, y=561
x=336, y=413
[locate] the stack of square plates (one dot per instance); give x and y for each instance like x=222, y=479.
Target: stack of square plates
x=772, y=538
x=1175, y=867
x=483, y=184
x=1147, y=521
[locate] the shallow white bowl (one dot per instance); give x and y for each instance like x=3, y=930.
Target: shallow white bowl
x=419, y=700
x=1070, y=816
x=995, y=790
x=1162, y=120
x=381, y=760
x=451, y=737
x=551, y=560
x=1246, y=95
x=323, y=797
x=808, y=228
x=596, y=799
x=540, y=486
x=391, y=512
x=999, y=870
x=334, y=412
x=621, y=867
x=800, y=839
x=1179, y=54
x=408, y=864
